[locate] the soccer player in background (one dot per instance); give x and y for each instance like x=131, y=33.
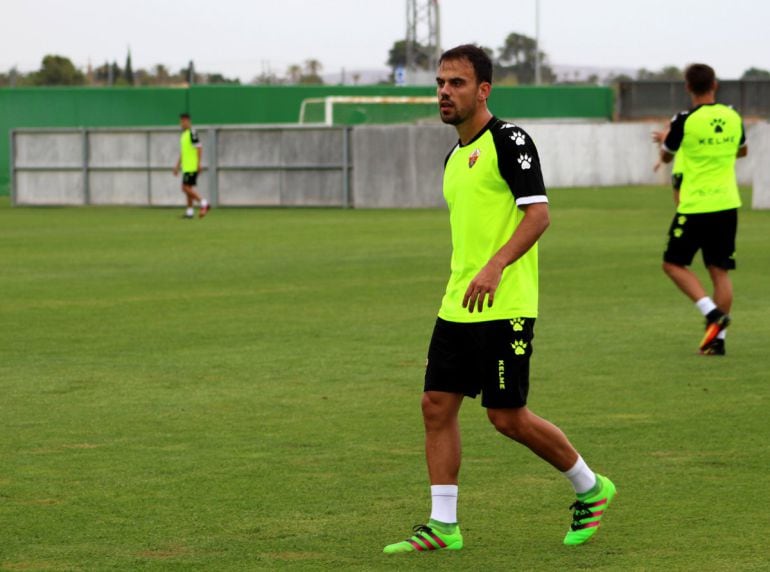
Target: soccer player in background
x=190, y=151
x=706, y=141
x=482, y=340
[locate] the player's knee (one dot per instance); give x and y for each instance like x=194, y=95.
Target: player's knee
x=513, y=426
x=669, y=268
x=434, y=411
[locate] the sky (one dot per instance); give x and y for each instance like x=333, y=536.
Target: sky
x=242, y=38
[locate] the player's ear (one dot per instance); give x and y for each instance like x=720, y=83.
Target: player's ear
x=484, y=88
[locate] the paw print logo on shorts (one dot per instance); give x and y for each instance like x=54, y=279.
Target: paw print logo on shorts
x=525, y=161
x=678, y=232
x=681, y=219
x=718, y=124
x=518, y=138
x=519, y=347
x=517, y=324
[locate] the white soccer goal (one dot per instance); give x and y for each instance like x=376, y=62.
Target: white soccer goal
x=392, y=109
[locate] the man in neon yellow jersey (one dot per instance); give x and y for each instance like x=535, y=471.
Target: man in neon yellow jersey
x=190, y=151
x=482, y=340
x=706, y=140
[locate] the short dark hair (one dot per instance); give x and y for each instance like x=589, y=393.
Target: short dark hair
x=700, y=78
x=184, y=115
x=478, y=58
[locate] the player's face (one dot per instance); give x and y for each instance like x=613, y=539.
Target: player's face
x=184, y=122
x=459, y=92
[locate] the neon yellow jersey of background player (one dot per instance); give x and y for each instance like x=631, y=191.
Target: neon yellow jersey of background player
x=706, y=142
x=188, y=150
x=483, y=214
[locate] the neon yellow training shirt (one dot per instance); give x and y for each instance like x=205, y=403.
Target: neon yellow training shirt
x=485, y=182
x=706, y=141
x=188, y=150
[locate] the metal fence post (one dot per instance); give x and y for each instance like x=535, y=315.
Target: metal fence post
x=149, y=170
x=346, y=195
x=12, y=136
x=214, y=167
x=86, y=189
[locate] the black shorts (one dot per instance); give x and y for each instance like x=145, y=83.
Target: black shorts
x=190, y=179
x=491, y=358
x=712, y=233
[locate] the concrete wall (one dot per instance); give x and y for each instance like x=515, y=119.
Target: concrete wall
x=401, y=166
x=241, y=167
x=759, y=151
x=371, y=167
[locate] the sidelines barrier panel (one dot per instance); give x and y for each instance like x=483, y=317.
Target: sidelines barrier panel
x=242, y=166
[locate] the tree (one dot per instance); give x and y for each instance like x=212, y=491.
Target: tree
x=294, y=73
x=667, y=73
x=312, y=72
x=57, y=70
x=756, y=73
x=218, y=78
x=116, y=74
x=517, y=59
x=129, y=71
x=397, y=56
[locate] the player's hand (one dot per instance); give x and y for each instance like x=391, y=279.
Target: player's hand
x=659, y=136
x=484, y=285
x=656, y=166
x=176, y=171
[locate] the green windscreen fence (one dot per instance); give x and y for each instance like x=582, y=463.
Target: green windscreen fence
x=218, y=105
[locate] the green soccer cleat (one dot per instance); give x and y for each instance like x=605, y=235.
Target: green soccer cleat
x=589, y=513
x=426, y=539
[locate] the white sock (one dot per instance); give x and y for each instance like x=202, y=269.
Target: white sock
x=722, y=335
x=444, y=505
x=189, y=211
x=705, y=305
x=582, y=478
x=204, y=203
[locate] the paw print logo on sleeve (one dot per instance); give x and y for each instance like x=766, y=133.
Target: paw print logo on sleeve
x=525, y=161
x=519, y=347
x=518, y=138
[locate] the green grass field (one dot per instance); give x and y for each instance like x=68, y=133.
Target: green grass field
x=242, y=393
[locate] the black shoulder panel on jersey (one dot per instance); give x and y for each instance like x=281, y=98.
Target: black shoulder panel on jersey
x=676, y=131
x=448, y=155
x=518, y=160
x=194, y=136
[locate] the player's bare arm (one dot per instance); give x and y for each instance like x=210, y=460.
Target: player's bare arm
x=533, y=225
x=659, y=137
x=200, y=156
x=176, y=167
x=742, y=151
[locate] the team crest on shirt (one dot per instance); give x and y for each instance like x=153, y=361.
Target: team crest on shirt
x=473, y=158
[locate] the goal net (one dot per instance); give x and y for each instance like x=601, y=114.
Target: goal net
x=354, y=110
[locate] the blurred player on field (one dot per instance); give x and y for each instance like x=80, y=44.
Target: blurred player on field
x=706, y=141
x=190, y=151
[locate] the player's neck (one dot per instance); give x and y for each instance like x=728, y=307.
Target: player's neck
x=467, y=130
x=703, y=99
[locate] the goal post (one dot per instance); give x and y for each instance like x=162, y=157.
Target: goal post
x=367, y=109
